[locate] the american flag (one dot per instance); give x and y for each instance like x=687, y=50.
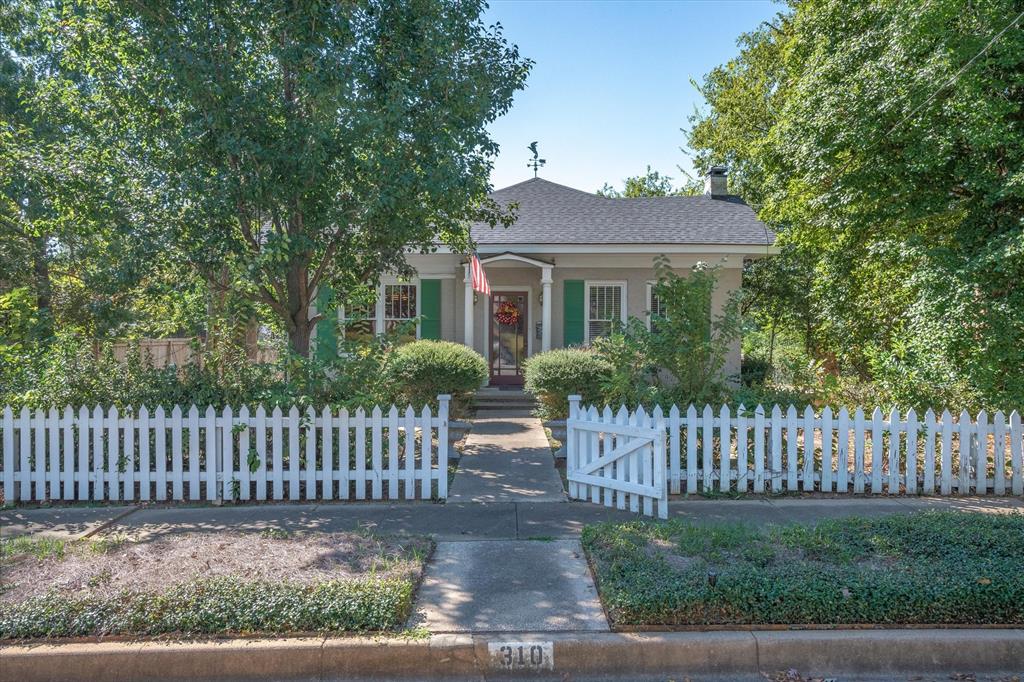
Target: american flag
x=476, y=270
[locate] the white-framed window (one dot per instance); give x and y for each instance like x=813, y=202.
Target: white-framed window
x=396, y=303
x=358, y=321
x=401, y=303
x=655, y=307
x=606, y=308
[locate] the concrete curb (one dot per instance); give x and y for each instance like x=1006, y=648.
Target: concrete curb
x=851, y=652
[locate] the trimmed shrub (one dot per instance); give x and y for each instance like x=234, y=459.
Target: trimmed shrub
x=424, y=369
x=555, y=375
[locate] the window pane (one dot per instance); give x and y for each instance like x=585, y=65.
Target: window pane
x=359, y=323
x=599, y=328
x=656, y=306
x=399, y=308
x=656, y=309
x=605, y=309
x=399, y=301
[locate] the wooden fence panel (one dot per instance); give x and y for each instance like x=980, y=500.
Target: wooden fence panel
x=881, y=454
x=124, y=454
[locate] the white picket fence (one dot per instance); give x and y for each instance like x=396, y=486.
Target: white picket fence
x=185, y=454
x=617, y=460
x=759, y=451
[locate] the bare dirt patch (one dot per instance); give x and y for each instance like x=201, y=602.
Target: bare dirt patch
x=109, y=566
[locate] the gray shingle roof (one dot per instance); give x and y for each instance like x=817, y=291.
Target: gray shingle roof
x=550, y=213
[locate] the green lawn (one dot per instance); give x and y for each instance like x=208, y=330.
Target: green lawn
x=929, y=567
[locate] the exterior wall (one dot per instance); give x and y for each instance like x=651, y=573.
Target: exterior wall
x=448, y=295
x=635, y=269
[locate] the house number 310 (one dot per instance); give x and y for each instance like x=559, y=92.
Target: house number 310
x=521, y=655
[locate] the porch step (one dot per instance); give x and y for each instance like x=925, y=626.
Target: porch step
x=491, y=398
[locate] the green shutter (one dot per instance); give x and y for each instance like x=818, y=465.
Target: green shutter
x=430, y=309
x=326, y=328
x=573, y=317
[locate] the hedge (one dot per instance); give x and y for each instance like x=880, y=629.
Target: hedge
x=555, y=375
x=424, y=369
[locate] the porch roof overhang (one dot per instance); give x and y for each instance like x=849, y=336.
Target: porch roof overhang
x=511, y=256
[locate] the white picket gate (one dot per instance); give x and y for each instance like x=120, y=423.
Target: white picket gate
x=115, y=455
x=617, y=459
x=776, y=450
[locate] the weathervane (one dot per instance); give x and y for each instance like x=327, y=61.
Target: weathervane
x=536, y=163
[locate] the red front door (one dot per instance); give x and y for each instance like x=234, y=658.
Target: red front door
x=508, y=325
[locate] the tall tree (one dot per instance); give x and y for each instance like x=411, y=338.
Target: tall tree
x=650, y=184
x=892, y=167
x=292, y=145
x=55, y=245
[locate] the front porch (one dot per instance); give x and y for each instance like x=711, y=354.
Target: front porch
x=515, y=321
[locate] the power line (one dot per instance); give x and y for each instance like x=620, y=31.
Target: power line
x=935, y=94
x=959, y=73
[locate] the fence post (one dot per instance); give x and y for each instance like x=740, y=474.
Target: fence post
x=659, y=467
x=9, y=490
x=570, y=446
x=443, y=401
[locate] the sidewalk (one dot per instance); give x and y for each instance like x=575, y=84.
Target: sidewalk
x=458, y=522
x=506, y=459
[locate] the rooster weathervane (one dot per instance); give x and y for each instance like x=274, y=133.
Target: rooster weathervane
x=536, y=163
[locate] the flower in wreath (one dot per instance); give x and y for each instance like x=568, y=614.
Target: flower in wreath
x=507, y=313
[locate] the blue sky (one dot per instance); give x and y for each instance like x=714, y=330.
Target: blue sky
x=611, y=89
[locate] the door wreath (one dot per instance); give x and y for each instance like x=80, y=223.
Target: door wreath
x=507, y=313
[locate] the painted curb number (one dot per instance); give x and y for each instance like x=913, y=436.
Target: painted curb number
x=521, y=655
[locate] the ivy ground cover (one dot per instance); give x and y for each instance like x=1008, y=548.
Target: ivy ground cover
x=208, y=583
x=925, y=568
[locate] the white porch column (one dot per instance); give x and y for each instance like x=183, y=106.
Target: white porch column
x=467, y=331
x=545, y=329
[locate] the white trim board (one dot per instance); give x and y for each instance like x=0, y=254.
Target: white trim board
x=654, y=249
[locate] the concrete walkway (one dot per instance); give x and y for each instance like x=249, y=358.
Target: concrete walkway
x=517, y=586
x=506, y=459
x=458, y=522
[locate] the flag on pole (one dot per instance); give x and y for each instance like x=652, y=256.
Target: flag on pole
x=476, y=270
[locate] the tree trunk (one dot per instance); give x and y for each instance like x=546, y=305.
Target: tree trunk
x=299, y=300
x=298, y=339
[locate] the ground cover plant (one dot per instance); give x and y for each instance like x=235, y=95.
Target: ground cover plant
x=929, y=567
x=270, y=582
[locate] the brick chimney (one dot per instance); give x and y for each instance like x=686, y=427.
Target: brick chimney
x=715, y=182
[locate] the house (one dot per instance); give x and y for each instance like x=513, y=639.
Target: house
x=571, y=266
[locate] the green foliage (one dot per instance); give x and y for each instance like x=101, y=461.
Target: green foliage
x=555, y=375
x=891, y=166
x=651, y=184
x=75, y=372
x=425, y=369
x=633, y=377
x=270, y=146
x=20, y=324
x=687, y=339
x=680, y=359
x=930, y=567
x=39, y=547
x=216, y=606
